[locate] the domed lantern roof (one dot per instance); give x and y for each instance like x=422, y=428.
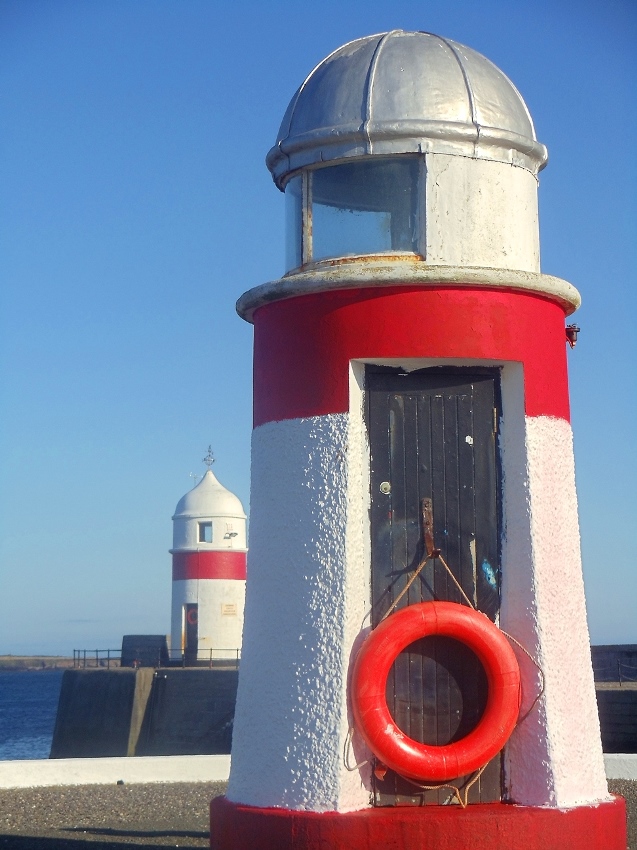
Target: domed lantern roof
x=405, y=92
x=209, y=498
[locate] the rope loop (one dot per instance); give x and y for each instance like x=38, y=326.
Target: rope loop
x=432, y=555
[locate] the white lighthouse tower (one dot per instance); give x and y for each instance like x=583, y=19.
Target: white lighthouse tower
x=209, y=573
x=413, y=487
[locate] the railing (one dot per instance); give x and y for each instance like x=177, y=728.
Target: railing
x=211, y=657
x=96, y=658
x=624, y=672
x=83, y=658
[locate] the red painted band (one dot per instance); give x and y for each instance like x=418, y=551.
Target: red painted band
x=206, y=564
x=369, y=682
x=303, y=345
x=489, y=826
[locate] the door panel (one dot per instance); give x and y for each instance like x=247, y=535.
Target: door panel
x=191, y=617
x=432, y=435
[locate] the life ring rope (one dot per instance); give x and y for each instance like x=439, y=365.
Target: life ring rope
x=461, y=798
x=470, y=754
x=408, y=758
x=374, y=721
x=433, y=554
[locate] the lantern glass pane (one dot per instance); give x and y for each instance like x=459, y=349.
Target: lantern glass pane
x=365, y=207
x=293, y=222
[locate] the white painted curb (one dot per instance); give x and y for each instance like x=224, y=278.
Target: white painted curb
x=621, y=765
x=34, y=773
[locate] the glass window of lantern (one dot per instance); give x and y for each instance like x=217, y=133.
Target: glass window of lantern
x=293, y=222
x=365, y=207
x=205, y=532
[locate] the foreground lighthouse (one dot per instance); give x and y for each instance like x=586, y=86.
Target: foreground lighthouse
x=209, y=573
x=416, y=668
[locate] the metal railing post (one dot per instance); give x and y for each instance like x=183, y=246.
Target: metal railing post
x=83, y=658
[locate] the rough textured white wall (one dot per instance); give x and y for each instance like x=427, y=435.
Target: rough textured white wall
x=291, y=716
x=554, y=757
x=481, y=213
x=355, y=786
x=221, y=609
x=186, y=533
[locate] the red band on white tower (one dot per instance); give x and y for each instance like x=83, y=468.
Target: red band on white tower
x=303, y=346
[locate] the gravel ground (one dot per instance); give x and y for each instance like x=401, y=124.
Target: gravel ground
x=112, y=817
x=107, y=817
x=628, y=790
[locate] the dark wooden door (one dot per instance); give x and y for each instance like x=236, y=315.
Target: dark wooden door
x=433, y=435
x=191, y=649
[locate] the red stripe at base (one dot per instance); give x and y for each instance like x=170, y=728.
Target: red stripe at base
x=207, y=564
x=492, y=826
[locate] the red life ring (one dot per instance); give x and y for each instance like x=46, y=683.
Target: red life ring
x=389, y=744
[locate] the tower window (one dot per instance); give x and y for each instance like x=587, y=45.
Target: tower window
x=205, y=532
x=370, y=206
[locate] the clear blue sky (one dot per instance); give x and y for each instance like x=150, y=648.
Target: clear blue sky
x=136, y=207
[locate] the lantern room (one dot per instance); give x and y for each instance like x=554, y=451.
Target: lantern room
x=353, y=156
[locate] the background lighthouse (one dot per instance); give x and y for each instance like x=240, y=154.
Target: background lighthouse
x=413, y=354
x=208, y=573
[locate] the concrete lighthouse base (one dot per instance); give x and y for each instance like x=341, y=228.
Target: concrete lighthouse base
x=492, y=826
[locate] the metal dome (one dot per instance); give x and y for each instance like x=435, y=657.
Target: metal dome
x=405, y=92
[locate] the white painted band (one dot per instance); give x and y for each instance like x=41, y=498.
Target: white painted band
x=621, y=766
x=38, y=773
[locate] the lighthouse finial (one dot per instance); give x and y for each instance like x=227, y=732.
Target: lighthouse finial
x=209, y=459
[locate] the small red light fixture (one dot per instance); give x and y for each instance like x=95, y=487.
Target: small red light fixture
x=571, y=334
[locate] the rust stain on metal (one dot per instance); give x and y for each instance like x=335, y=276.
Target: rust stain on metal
x=398, y=257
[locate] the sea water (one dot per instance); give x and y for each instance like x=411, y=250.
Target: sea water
x=28, y=705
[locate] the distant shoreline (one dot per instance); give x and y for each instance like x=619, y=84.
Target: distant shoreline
x=34, y=662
